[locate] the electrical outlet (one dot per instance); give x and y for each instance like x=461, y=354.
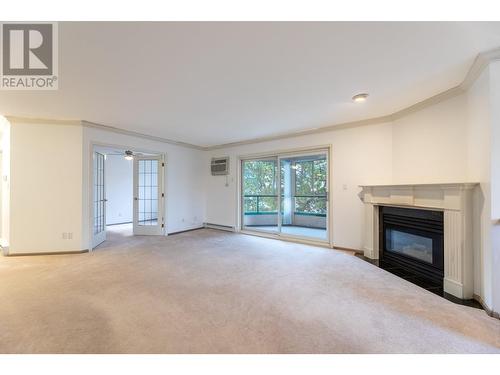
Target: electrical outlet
x=67, y=235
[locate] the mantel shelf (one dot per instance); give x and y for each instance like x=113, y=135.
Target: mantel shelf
x=433, y=185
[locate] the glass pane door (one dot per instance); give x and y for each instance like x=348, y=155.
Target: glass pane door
x=304, y=195
x=260, y=194
x=147, y=195
x=99, y=200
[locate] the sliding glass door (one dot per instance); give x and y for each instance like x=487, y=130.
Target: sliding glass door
x=302, y=200
x=304, y=195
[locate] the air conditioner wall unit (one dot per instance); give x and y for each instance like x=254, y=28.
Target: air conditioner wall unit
x=220, y=166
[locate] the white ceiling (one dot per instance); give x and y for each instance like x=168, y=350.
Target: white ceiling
x=214, y=83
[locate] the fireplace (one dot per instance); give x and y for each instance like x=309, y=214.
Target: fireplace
x=449, y=226
x=411, y=240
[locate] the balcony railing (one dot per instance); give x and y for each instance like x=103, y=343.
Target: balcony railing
x=260, y=198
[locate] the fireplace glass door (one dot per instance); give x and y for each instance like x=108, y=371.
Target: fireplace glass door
x=409, y=244
x=412, y=239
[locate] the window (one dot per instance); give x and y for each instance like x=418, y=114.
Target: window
x=259, y=186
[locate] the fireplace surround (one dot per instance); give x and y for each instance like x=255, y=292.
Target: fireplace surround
x=451, y=200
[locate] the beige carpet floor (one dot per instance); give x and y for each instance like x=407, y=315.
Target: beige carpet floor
x=209, y=291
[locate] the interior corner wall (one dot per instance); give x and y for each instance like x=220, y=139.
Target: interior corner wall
x=45, y=187
x=478, y=170
x=5, y=183
x=184, y=191
x=119, y=189
x=494, y=70
x=430, y=145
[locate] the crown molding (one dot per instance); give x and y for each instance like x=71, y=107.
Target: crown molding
x=324, y=129
x=89, y=124
x=46, y=121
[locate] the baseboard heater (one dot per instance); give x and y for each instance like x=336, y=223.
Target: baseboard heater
x=218, y=226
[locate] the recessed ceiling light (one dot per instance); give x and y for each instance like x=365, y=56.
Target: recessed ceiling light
x=360, y=98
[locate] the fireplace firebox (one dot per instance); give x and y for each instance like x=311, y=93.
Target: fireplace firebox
x=412, y=240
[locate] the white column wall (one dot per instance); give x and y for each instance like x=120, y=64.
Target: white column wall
x=45, y=188
x=5, y=183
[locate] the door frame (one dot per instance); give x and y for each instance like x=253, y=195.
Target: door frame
x=159, y=228
x=90, y=183
x=278, y=154
x=100, y=237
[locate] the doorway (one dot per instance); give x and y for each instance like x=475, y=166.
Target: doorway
x=127, y=193
x=286, y=195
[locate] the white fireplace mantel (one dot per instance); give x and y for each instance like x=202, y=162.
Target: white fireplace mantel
x=455, y=200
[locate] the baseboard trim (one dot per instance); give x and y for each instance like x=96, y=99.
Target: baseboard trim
x=488, y=311
x=186, y=230
x=357, y=251
x=5, y=250
x=272, y=236
x=454, y=288
x=227, y=228
x=50, y=253
x=125, y=222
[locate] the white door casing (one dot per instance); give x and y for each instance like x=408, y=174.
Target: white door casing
x=148, y=218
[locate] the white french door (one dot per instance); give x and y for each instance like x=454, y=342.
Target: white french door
x=148, y=195
x=99, y=200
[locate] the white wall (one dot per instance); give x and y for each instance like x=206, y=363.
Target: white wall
x=478, y=169
x=483, y=134
x=1, y=188
x=185, y=195
x=5, y=182
x=495, y=183
x=430, y=145
x=119, y=189
x=45, y=187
